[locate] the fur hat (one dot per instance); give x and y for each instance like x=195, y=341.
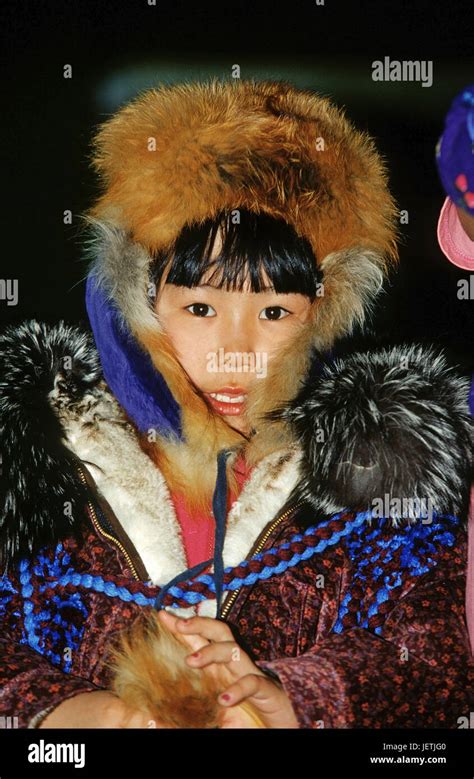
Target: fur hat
x=177, y=155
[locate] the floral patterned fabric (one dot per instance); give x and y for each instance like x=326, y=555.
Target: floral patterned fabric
x=361, y=635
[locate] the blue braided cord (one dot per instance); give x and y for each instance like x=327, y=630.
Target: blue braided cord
x=405, y=557
x=7, y=591
x=49, y=623
x=189, y=573
x=282, y=565
x=409, y=536
x=30, y=636
x=96, y=582
x=356, y=546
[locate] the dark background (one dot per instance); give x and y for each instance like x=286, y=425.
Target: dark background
x=118, y=48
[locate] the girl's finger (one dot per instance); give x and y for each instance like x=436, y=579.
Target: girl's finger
x=193, y=640
x=210, y=628
x=228, y=652
x=268, y=700
x=255, y=686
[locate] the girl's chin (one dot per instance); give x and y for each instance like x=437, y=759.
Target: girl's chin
x=232, y=413
x=238, y=423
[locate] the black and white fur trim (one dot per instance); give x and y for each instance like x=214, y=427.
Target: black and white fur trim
x=41, y=499
x=384, y=427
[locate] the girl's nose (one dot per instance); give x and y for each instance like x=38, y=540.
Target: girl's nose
x=238, y=336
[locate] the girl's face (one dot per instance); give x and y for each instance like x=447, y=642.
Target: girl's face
x=224, y=340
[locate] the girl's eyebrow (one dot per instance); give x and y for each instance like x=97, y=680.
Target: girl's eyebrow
x=268, y=288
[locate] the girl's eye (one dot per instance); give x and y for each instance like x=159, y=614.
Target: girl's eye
x=201, y=309
x=274, y=312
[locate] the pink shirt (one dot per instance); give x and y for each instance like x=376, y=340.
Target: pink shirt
x=198, y=530
x=459, y=250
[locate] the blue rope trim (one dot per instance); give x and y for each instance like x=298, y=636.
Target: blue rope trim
x=48, y=624
x=237, y=582
x=30, y=636
x=96, y=583
x=418, y=541
x=49, y=633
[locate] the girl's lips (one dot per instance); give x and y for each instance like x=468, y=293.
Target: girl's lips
x=227, y=402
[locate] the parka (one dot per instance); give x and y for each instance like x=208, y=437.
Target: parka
x=362, y=621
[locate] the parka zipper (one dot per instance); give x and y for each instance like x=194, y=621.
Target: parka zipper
x=102, y=532
x=256, y=548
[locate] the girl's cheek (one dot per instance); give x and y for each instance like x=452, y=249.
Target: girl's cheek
x=280, y=336
x=192, y=350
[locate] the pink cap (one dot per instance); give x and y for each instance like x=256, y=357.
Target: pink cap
x=453, y=241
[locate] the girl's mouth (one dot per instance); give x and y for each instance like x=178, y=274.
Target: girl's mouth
x=229, y=401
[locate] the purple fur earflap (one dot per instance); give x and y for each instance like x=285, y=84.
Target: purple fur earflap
x=128, y=370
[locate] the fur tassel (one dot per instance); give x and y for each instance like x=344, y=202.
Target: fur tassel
x=150, y=674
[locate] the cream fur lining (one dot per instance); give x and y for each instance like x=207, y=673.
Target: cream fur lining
x=139, y=496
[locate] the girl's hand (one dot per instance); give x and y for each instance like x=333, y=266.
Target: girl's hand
x=100, y=709
x=220, y=655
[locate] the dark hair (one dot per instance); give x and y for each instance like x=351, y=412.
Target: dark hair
x=252, y=245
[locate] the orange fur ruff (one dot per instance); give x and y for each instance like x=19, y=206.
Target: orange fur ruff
x=150, y=674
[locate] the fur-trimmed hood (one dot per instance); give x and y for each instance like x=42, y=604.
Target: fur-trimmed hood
x=180, y=154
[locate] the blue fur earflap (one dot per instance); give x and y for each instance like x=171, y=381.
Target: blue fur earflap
x=128, y=370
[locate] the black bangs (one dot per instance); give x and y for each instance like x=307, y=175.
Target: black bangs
x=256, y=249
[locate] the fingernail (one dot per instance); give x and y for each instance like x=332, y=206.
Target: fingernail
x=196, y=654
x=225, y=697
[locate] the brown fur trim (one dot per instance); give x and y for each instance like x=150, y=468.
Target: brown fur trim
x=191, y=477
x=149, y=673
x=352, y=280
x=204, y=432
x=181, y=153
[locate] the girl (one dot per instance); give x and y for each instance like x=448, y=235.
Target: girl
x=240, y=227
